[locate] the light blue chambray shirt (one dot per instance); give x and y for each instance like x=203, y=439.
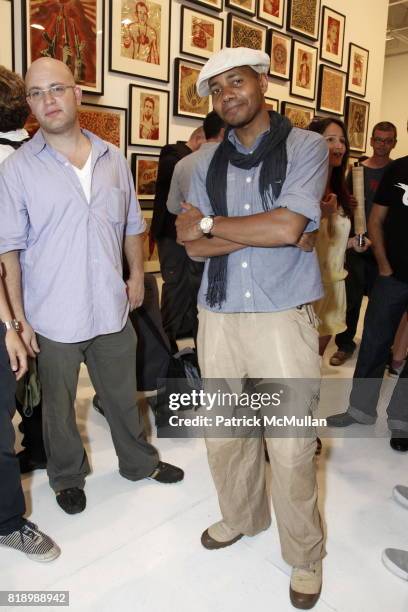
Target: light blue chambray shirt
x=71, y=251
x=261, y=279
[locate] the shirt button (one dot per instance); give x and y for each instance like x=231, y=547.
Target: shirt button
x=244, y=265
x=247, y=206
x=248, y=294
x=248, y=179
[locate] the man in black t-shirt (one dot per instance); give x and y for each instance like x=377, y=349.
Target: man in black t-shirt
x=388, y=224
x=362, y=267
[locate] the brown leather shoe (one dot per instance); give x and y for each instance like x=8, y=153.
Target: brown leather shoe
x=208, y=542
x=339, y=357
x=305, y=585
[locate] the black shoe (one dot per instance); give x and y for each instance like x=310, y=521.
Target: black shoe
x=167, y=473
x=399, y=441
x=28, y=464
x=344, y=419
x=71, y=500
x=96, y=402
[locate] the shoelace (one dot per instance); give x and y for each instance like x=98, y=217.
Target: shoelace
x=27, y=530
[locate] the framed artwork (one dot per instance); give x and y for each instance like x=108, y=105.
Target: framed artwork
x=243, y=33
x=357, y=70
x=300, y=116
x=279, y=48
x=272, y=104
x=246, y=6
x=139, y=35
x=72, y=32
x=217, y=5
x=150, y=252
x=149, y=112
x=144, y=170
x=303, y=73
x=7, y=34
x=201, y=34
x=332, y=36
x=187, y=102
x=303, y=18
x=271, y=11
x=332, y=89
x=357, y=113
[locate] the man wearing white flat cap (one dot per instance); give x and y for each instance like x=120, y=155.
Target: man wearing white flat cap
x=254, y=196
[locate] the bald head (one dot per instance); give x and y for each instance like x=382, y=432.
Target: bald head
x=45, y=71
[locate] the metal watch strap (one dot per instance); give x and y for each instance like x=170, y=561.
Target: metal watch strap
x=12, y=324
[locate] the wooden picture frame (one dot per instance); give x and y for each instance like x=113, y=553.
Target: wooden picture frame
x=244, y=6
x=357, y=115
x=279, y=49
x=107, y=122
x=300, y=116
x=151, y=261
x=303, y=18
x=144, y=168
x=332, y=36
x=149, y=116
x=7, y=51
x=149, y=59
x=357, y=70
x=271, y=11
x=201, y=34
x=244, y=33
x=73, y=33
x=215, y=5
x=186, y=101
x=332, y=90
x=272, y=104
x=303, y=71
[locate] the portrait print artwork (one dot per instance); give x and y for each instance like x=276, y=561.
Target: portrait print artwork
x=144, y=169
x=357, y=70
x=216, y=5
x=332, y=36
x=271, y=11
x=139, y=38
x=187, y=102
x=279, y=48
x=304, y=62
x=201, y=34
x=7, y=34
x=68, y=31
x=243, y=33
x=245, y=6
x=149, y=108
x=357, y=113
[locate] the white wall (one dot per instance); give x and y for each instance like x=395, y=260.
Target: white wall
x=365, y=25
x=394, y=105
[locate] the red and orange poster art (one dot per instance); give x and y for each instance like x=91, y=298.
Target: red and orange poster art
x=65, y=30
x=146, y=177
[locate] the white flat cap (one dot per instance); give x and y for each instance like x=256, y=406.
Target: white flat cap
x=231, y=58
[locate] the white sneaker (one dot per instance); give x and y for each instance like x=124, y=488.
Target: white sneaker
x=33, y=542
x=400, y=494
x=396, y=561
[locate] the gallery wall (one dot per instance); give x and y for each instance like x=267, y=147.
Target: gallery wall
x=394, y=105
x=365, y=25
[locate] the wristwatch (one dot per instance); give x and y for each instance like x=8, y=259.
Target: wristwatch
x=12, y=324
x=206, y=225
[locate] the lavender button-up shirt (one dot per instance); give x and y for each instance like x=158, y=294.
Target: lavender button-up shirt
x=71, y=251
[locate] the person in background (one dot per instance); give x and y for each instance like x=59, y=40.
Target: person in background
x=178, y=311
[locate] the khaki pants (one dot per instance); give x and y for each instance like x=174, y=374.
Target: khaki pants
x=265, y=345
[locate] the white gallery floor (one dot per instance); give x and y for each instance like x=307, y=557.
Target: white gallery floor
x=137, y=547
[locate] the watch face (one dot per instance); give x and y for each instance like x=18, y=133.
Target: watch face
x=206, y=224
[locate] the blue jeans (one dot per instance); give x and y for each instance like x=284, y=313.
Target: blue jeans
x=388, y=302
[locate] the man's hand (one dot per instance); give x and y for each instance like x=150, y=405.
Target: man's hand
x=29, y=338
x=17, y=353
x=307, y=241
x=328, y=206
x=135, y=291
x=353, y=244
x=187, y=223
x=353, y=203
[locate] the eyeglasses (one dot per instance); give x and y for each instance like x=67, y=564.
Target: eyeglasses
x=388, y=141
x=56, y=91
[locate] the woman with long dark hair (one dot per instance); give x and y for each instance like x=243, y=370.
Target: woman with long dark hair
x=334, y=234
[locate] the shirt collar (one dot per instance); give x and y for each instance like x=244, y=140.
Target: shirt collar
x=37, y=143
x=232, y=137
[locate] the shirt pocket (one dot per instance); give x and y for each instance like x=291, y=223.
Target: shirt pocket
x=115, y=202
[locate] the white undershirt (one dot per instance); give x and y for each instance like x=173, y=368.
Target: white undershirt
x=85, y=176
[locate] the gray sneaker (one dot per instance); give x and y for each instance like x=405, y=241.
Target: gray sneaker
x=400, y=494
x=396, y=561
x=31, y=541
